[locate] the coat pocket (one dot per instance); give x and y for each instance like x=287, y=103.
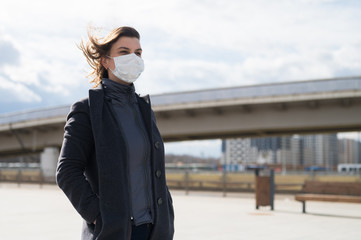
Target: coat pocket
x=98, y=225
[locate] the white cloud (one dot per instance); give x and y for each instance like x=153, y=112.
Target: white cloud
x=58, y=67
x=188, y=74
x=187, y=44
x=240, y=25
x=16, y=92
x=348, y=56
x=176, y=75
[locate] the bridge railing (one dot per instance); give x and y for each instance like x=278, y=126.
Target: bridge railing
x=34, y=114
x=261, y=90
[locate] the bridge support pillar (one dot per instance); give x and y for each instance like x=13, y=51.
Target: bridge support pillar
x=48, y=162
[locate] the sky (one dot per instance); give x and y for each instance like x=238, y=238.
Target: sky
x=187, y=45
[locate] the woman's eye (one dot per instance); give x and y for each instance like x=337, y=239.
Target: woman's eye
x=124, y=52
x=138, y=54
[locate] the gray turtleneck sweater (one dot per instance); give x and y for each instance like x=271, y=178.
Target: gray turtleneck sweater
x=125, y=105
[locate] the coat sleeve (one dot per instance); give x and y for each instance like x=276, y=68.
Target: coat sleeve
x=75, y=154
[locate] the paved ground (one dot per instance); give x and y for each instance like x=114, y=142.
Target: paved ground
x=31, y=213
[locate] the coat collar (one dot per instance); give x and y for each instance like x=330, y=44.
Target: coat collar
x=96, y=98
x=96, y=104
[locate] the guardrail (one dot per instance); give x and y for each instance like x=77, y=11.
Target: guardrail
x=229, y=182
x=245, y=182
x=196, y=181
x=21, y=175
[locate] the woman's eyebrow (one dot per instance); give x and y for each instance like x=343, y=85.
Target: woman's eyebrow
x=139, y=49
x=123, y=48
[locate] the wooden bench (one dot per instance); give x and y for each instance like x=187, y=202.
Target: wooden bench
x=348, y=192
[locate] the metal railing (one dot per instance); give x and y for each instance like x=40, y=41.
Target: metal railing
x=34, y=114
x=245, y=181
x=22, y=175
x=227, y=182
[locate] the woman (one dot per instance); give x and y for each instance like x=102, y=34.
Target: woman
x=111, y=165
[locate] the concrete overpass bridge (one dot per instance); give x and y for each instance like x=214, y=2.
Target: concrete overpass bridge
x=315, y=106
x=330, y=105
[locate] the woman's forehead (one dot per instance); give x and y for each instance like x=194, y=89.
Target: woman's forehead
x=127, y=42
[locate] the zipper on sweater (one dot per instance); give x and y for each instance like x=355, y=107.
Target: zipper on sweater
x=128, y=178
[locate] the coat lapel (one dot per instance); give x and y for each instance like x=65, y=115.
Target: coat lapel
x=96, y=100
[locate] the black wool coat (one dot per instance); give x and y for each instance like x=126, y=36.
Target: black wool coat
x=93, y=171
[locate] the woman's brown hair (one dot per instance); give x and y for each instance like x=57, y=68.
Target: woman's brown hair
x=96, y=48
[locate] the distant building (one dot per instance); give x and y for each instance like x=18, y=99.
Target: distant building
x=267, y=149
x=291, y=152
x=272, y=150
x=349, y=151
x=238, y=151
x=320, y=150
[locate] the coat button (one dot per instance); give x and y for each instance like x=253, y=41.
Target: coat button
x=158, y=173
x=157, y=144
x=160, y=201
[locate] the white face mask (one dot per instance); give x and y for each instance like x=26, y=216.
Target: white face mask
x=128, y=67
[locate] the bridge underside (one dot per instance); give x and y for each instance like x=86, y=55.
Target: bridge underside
x=33, y=139
x=260, y=120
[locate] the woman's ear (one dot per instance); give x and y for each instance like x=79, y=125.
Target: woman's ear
x=104, y=62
